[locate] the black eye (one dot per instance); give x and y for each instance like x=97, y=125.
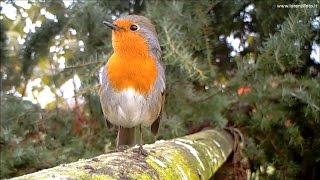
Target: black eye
x=133, y=27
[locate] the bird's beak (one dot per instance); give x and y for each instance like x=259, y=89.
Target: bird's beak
x=112, y=26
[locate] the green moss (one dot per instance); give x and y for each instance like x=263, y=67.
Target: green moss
x=88, y=176
x=207, y=154
x=178, y=163
x=169, y=160
x=143, y=176
x=205, y=160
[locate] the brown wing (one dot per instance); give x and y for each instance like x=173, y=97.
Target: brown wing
x=104, y=84
x=109, y=125
x=156, y=123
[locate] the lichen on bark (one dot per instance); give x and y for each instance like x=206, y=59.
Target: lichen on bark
x=196, y=156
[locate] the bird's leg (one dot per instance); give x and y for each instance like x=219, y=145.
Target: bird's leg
x=140, y=149
x=119, y=147
x=117, y=139
x=141, y=139
x=117, y=143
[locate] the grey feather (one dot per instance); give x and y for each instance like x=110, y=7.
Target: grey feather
x=129, y=109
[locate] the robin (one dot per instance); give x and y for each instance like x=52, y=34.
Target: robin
x=133, y=80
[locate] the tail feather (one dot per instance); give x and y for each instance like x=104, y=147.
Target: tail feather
x=126, y=136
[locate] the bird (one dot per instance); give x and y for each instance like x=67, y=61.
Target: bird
x=132, y=91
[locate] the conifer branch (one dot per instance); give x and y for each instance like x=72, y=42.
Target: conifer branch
x=185, y=58
x=303, y=99
x=84, y=65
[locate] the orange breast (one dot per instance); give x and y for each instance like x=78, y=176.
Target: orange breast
x=131, y=64
x=138, y=73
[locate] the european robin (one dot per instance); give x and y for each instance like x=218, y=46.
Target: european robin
x=133, y=80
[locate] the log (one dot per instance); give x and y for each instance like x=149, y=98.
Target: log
x=196, y=156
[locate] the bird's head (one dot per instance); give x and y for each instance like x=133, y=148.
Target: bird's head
x=134, y=34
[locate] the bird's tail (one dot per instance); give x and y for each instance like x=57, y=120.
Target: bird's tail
x=126, y=136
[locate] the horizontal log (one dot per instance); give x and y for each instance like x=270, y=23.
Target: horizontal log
x=196, y=156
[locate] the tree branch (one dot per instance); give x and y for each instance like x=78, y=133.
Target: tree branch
x=196, y=156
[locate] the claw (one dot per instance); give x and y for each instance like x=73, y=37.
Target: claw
x=141, y=151
x=122, y=148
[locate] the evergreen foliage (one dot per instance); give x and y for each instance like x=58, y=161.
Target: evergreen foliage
x=282, y=112
x=266, y=86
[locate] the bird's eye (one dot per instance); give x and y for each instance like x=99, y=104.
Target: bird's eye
x=134, y=27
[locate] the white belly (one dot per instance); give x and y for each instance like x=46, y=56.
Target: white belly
x=130, y=109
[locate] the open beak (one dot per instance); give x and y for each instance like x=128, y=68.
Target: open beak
x=112, y=26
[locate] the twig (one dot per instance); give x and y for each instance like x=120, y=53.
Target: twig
x=311, y=103
x=83, y=65
x=174, y=50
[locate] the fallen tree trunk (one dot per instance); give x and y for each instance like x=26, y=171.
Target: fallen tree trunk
x=196, y=156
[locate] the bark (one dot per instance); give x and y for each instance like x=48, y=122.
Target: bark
x=196, y=156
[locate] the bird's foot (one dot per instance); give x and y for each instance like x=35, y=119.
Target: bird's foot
x=122, y=148
x=141, y=151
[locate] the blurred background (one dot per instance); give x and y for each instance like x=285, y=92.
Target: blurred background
x=251, y=65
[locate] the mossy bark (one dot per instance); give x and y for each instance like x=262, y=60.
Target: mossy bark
x=196, y=156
